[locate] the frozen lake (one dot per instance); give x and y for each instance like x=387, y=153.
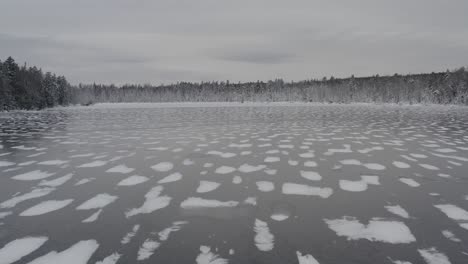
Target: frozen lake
x=283, y=183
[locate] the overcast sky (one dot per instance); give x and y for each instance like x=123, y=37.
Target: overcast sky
x=155, y=41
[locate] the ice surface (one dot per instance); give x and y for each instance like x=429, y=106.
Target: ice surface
x=152, y=203
x=410, y=182
x=311, y=175
x=265, y=186
x=163, y=166
x=377, y=230
x=454, y=212
x=46, y=207
x=306, y=259
x=120, y=169
x=35, y=193
x=433, y=256
x=79, y=253
x=207, y=186
x=32, y=175
x=16, y=249
x=176, y=176
x=397, y=210
x=264, y=240
x=133, y=180
x=96, y=163
x=195, y=202
x=56, y=182
x=225, y=170
x=97, y=202
x=301, y=189
x=207, y=257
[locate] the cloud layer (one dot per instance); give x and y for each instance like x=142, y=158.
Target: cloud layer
x=184, y=40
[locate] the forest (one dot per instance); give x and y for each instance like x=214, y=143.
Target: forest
x=29, y=88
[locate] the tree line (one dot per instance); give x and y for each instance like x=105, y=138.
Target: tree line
x=29, y=88
x=450, y=87
x=23, y=87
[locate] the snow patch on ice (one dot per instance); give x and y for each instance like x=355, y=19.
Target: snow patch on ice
x=377, y=230
x=433, y=256
x=94, y=164
x=306, y=259
x=246, y=168
x=410, y=182
x=163, y=166
x=56, y=182
x=301, y=189
x=311, y=175
x=264, y=240
x=207, y=186
x=152, y=203
x=97, y=202
x=397, y=210
x=265, y=186
x=225, y=170
x=133, y=180
x=195, y=202
x=80, y=253
x=176, y=176
x=32, y=176
x=46, y=207
x=120, y=169
x=207, y=257
x=35, y=193
x=17, y=249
